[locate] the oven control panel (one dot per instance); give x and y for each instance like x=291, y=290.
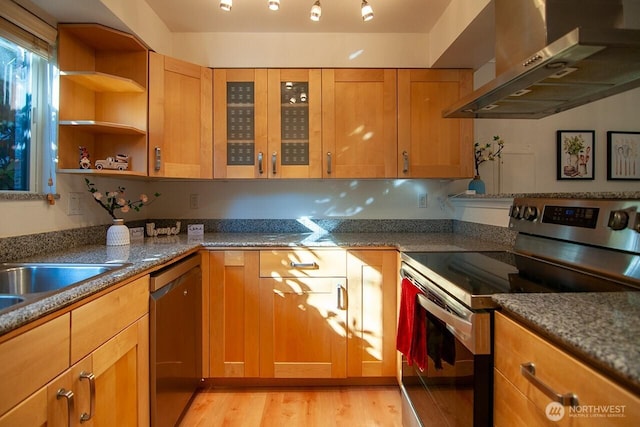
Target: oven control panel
x=610, y=223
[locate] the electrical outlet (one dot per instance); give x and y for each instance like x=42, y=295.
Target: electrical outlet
x=194, y=201
x=75, y=204
x=422, y=200
x=195, y=229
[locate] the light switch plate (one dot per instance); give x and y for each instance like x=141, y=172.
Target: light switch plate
x=195, y=230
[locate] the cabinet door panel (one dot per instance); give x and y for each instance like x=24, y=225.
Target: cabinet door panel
x=42, y=352
x=434, y=147
x=295, y=123
x=359, y=137
x=240, y=134
x=180, y=118
x=30, y=412
x=234, y=301
x=302, y=328
x=372, y=319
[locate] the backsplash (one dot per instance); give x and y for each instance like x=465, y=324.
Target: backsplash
x=19, y=247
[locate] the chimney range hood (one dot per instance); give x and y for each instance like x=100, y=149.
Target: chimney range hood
x=585, y=50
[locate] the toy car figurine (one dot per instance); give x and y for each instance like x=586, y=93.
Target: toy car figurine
x=120, y=162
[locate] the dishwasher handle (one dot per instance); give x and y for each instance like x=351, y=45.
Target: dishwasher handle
x=167, y=275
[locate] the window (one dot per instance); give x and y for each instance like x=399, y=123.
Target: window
x=28, y=111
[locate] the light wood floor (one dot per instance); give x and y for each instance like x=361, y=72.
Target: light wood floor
x=291, y=407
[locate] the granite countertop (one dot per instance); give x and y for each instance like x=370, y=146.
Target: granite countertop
x=151, y=253
x=602, y=329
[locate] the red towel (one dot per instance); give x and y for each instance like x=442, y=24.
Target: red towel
x=412, y=327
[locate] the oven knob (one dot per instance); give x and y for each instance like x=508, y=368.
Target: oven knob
x=530, y=213
x=618, y=220
x=515, y=211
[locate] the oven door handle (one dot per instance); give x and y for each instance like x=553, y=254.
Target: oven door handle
x=458, y=326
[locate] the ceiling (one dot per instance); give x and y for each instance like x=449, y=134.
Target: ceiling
x=338, y=16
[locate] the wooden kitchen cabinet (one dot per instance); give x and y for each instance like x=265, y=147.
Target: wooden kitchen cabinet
x=359, y=123
x=372, y=276
x=303, y=313
x=108, y=338
x=240, y=131
x=430, y=146
x=234, y=314
x=180, y=118
x=294, y=123
x=103, y=98
x=517, y=402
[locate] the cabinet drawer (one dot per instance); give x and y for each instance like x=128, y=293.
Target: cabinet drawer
x=94, y=323
x=30, y=360
x=516, y=345
x=303, y=263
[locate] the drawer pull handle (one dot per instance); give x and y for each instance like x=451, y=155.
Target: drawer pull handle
x=405, y=162
x=66, y=394
x=92, y=395
x=340, y=291
x=528, y=370
x=260, y=168
x=303, y=264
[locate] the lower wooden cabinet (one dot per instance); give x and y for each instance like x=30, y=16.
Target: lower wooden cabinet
x=107, y=386
x=302, y=313
x=234, y=314
x=373, y=278
x=518, y=402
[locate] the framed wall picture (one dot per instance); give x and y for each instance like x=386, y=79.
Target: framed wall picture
x=575, y=154
x=623, y=155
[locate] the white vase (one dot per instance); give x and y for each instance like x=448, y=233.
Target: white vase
x=118, y=233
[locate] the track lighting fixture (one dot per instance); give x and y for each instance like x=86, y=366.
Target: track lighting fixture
x=274, y=4
x=367, y=11
x=226, y=5
x=316, y=11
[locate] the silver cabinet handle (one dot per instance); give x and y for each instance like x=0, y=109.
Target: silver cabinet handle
x=303, y=264
x=340, y=291
x=329, y=163
x=66, y=394
x=528, y=370
x=260, y=169
x=274, y=161
x=92, y=395
x=158, y=157
x=405, y=159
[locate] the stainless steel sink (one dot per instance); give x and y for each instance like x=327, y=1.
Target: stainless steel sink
x=7, y=301
x=31, y=278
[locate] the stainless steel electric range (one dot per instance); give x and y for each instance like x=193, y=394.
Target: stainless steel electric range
x=562, y=245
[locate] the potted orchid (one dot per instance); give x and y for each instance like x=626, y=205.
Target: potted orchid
x=113, y=201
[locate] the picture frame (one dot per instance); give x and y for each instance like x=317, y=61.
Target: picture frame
x=575, y=154
x=623, y=156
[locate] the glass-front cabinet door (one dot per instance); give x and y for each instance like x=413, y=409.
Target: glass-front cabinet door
x=240, y=117
x=294, y=123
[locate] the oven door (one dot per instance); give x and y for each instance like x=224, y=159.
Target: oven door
x=456, y=388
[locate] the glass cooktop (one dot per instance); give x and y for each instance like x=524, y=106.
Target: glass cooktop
x=471, y=276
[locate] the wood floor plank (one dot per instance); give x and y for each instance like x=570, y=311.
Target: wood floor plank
x=308, y=407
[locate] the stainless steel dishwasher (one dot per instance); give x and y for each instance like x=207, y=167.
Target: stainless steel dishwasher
x=175, y=339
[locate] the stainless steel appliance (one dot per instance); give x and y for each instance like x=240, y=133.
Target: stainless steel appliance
x=553, y=55
x=563, y=245
x=175, y=339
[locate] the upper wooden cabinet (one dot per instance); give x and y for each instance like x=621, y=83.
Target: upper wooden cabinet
x=180, y=119
x=430, y=146
x=294, y=123
x=240, y=131
x=103, y=99
x=359, y=137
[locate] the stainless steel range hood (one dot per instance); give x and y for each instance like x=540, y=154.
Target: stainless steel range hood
x=583, y=50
